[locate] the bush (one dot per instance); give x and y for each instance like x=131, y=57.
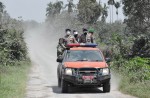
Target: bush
x=136, y=69
x=12, y=47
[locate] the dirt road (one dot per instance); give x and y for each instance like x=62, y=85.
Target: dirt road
x=43, y=77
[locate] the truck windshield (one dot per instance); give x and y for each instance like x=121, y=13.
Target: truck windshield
x=84, y=55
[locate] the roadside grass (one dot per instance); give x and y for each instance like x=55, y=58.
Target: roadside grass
x=140, y=89
x=13, y=80
x=135, y=75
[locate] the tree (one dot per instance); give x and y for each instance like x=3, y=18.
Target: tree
x=138, y=16
x=111, y=3
x=1, y=12
x=54, y=9
x=50, y=10
x=117, y=5
x=70, y=6
x=1, y=7
x=104, y=13
x=89, y=11
x=58, y=6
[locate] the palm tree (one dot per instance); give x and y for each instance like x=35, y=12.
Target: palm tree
x=111, y=2
x=70, y=6
x=104, y=13
x=50, y=10
x=1, y=7
x=58, y=6
x=117, y=5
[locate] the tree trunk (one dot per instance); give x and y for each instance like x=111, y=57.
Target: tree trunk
x=110, y=13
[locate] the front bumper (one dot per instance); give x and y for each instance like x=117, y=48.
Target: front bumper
x=97, y=81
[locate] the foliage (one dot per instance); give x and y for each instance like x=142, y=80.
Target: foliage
x=135, y=75
x=138, y=16
x=12, y=45
x=140, y=89
x=54, y=9
x=104, y=13
x=136, y=69
x=117, y=5
x=89, y=11
x=70, y=6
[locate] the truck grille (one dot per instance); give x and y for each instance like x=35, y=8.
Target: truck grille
x=87, y=71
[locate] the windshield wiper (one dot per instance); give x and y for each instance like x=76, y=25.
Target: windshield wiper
x=81, y=60
x=96, y=60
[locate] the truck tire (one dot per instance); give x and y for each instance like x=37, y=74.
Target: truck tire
x=59, y=82
x=64, y=86
x=106, y=87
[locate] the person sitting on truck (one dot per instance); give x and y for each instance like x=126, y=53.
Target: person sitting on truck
x=69, y=38
x=90, y=36
x=83, y=36
x=76, y=36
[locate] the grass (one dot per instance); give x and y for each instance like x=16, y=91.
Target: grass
x=139, y=89
x=13, y=80
x=135, y=75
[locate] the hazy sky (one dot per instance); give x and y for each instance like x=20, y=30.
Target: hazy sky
x=36, y=9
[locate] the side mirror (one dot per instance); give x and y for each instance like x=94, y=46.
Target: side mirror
x=59, y=59
x=107, y=60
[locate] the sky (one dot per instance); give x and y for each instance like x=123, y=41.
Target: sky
x=36, y=9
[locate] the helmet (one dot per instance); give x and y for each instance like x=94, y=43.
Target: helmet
x=91, y=30
x=75, y=33
x=68, y=32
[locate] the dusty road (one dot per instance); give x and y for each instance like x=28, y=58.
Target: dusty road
x=43, y=77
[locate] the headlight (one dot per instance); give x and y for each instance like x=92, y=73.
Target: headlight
x=105, y=71
x=68, y=71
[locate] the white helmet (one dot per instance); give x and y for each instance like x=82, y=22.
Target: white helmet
x=75, y=33
x=68, y=32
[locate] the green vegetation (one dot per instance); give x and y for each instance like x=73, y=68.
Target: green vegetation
x=135, y=75
x=13, y=80
x=14, y=65
x=127, y=43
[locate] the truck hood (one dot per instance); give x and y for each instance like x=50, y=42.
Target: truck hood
x=85, y=64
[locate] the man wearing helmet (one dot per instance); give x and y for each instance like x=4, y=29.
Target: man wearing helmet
x=90, y=37
x=69, y=38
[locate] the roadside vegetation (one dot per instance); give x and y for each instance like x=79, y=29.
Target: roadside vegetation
x=126, y=42
x=14, y=64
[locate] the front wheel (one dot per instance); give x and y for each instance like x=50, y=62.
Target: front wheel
x=64, y=86
x=106, y=87
x=59, y=82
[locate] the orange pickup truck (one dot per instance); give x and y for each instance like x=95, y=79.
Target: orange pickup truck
x=83, y=66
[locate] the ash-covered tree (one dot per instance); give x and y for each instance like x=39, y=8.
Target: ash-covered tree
x=117, y=5
x=89, y=11
x=53, y=9
x=138, y=15
x=111, y=3
x=2, y=6
x=138, y=22
x=104, y=13
x=70, y=6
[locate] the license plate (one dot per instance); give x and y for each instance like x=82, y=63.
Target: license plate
x=87, y=79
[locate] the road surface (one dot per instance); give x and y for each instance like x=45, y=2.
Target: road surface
x=43, y=76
